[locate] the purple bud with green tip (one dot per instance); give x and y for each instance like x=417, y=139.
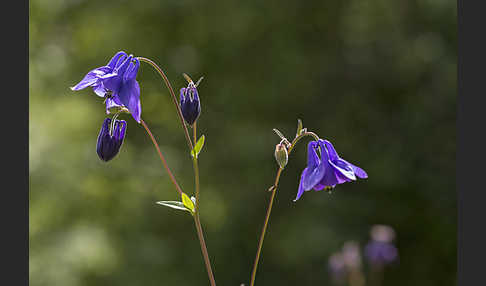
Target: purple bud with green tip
x=190, y=104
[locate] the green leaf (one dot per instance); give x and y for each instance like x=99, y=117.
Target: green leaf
x=187, y=202
x=198, y=147
x=174, y=204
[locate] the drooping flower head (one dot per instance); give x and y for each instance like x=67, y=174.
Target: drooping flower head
x=380, y=250
x=326, y=171
x=189, y=101
x=110, y=138
x=117, y=83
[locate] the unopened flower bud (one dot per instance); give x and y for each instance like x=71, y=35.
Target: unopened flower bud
x=281, y=155
x=110, y=138
x=380, y=250
x=190, y=105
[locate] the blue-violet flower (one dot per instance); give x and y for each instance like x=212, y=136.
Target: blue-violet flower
x=326, y=171
x=117, y=83
x=110, y=138
x=380, y=253
x=380, y=250
x=190, y=104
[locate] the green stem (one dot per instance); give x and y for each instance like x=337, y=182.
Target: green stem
x=265, y=224
x=269, y=209
x=197, y=220
x=196, y=168
x=204, y=250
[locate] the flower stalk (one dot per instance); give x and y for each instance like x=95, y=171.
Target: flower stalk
x=197, y=221
x=265, y=224
x=272, y=197
x=174, y=99
x=116, y=83
x=178, y=188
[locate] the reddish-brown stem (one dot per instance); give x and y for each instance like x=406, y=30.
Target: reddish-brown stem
x=197, y=221
x=162, y=157
x=269, y=209
x=174, y=99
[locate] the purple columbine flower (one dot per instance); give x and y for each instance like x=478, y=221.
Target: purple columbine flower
x=110, y=138
x=380, y=250
x=117, y=83
x=190, y=104
x=380, y=253
x=326, y=171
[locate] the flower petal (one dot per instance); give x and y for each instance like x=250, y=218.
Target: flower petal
x=301, y=187
x=120, y=128
x=315, y=167
x=319, y=187
x=132, y=70
x=122, y=68
x=112, y=102
x=116, y=58
x=333, y=155
x=341, y=178
x=91, y=78
x=313, y=176
x=113, y=84
x=329, y=178
x=108, y=75
x=100, y=90
x=360, y=173
x=182, y=97
x=343, y=168
x=312, y=157
x=130, y=97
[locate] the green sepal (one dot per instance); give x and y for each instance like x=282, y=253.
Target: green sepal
x=299, y=127
x=198, y=147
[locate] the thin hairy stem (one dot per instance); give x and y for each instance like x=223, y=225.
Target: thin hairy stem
x=197, y=220
x=265, y=224
x=294, y=142
x=162, y=157
x=174, y=98
x=196, y=168
x=269, y=209
x=204, y=250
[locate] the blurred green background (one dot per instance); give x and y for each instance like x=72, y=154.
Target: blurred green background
x=377, y=78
